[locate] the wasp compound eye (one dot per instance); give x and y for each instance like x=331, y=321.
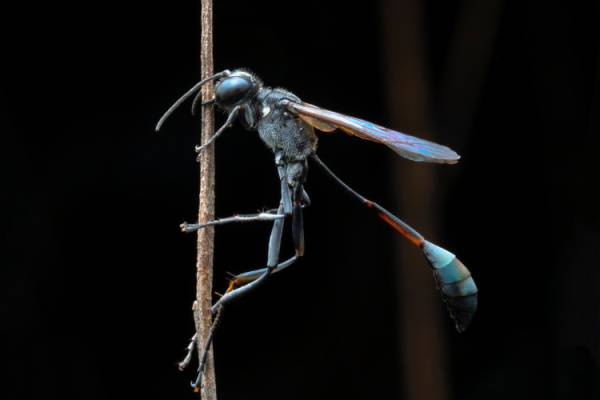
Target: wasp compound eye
x=232, y=90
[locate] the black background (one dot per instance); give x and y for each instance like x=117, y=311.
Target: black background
x=97, y=281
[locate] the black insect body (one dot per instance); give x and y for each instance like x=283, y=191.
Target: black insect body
x=287, y=126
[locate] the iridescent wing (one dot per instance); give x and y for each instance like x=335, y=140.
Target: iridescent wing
x=407, y=146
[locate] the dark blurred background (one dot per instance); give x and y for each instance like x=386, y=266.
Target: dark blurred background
x=97, y=281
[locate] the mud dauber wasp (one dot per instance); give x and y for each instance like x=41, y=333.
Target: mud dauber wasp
x=287, y=126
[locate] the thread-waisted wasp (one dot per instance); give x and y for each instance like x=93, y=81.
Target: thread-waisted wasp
x=287, y=126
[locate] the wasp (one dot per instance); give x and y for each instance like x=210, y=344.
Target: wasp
x=287, y=126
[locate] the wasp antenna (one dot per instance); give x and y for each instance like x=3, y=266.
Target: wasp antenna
x=195, y=102
x=232, y=115
x=187, y=94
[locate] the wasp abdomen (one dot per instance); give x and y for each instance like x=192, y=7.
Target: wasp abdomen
x=455, y=283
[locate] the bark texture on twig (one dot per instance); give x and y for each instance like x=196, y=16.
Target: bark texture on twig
x=205, y=243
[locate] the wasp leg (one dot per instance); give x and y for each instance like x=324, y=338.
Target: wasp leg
x=232, y=295
x=274, y=240
x=235, y=282
x=240, y=280
x=190, y=351
x=286, y=201
x=204, y=356
x=263, y=216
x=453, y=279
x=272, y=263
x=230, y=118
x=244, y=278
x=298, y=220
x=286, y=197
x=243, y=283
x=298, y=238
x=305, y=199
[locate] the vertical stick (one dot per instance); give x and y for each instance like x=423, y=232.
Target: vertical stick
x=206, y=212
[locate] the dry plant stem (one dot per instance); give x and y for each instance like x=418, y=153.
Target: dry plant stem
x=205, y=243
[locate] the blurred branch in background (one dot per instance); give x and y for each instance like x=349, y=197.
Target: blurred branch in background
x=466, y=66
x=422, y=341
x=410, y=106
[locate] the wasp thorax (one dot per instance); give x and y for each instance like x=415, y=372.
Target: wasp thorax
x=232, y=90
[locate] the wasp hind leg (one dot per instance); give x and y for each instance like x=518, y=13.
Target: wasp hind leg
x=244, y=283
x=244, y=278
x=240, y=280
x=234, y=294
x=241, y=284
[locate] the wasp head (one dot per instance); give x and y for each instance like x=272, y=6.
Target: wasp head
x=236, y=88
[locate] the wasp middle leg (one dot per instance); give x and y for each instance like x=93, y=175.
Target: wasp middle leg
x=293, y=199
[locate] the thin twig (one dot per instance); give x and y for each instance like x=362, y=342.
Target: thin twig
x=205, y=243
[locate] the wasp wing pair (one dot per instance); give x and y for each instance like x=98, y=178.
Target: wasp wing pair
x=453, y=279
x=407, y=146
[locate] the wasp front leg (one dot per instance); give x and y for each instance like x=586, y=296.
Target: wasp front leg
x=263, y=216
